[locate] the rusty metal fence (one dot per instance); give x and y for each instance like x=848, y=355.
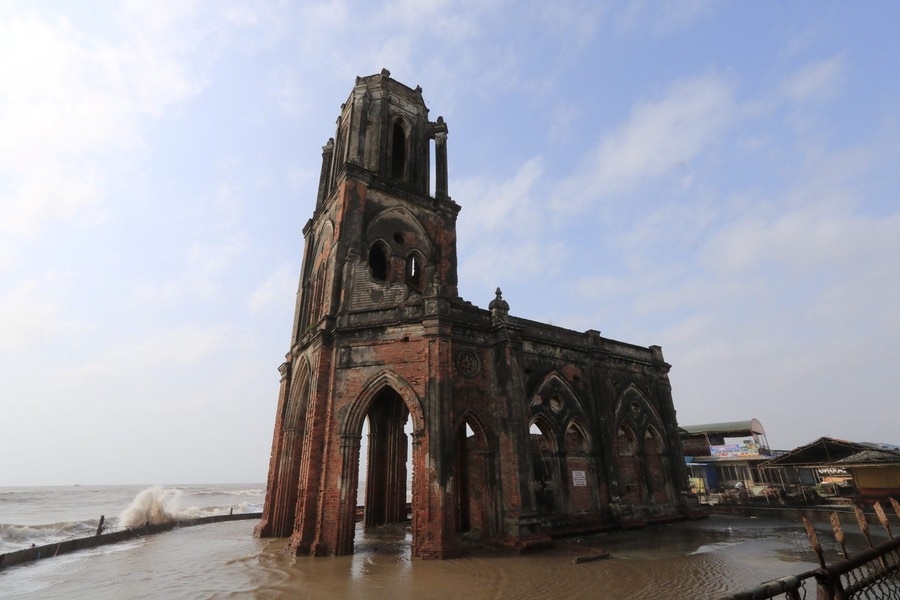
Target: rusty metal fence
x=873, y=574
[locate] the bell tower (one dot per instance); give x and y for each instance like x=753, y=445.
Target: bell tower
x=379, y=267
x=375, y=210
x=479, y=425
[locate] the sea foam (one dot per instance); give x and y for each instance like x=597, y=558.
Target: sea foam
x=155, y=505
x=158, y=505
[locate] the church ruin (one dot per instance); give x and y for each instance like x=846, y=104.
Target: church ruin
x=520, y=431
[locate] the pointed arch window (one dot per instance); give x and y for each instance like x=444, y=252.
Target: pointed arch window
x=338, y=158
x=398, y=151
x=576, y=440
x=414, y=271
x=378, y=261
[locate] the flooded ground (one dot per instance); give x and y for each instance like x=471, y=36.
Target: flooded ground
x=700, y=559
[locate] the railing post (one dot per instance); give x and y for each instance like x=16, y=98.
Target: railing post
x=824, y=587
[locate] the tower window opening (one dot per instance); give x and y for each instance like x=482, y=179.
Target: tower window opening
x=378, y=262
x=398, y=152
x=414, y=272
x=432, y=168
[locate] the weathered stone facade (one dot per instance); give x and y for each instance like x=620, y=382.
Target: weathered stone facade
x=520, y=430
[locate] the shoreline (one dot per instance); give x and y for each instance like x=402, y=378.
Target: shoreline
x=27, y=555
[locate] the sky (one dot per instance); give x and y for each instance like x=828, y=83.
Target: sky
x=717, y=178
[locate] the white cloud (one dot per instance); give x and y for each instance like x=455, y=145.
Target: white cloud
x=47, y=192
x=658, y=137
x=31, y=312
x=214, y=259
x=492, y=204
x=445, y=19
x=70, y=98
x=661, y=18
x=578, y=20
x=145, y=357
x=278, y=290
x=204, y=267
x=815, y=81
x=289, y=92
x=504, y=230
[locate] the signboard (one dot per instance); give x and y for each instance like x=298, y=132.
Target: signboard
x=748, y=448
x=833, y=471
x=579, y=479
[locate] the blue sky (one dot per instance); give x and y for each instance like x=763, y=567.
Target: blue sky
x=717, y=178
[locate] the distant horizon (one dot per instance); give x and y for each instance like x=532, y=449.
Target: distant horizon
x=145, y=485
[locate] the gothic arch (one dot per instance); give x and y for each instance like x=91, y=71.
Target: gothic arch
x=386, y=223
x=339, y=158
x=295, y=411
x=389, y=497
x=555, y=399
x=582, y=486
x=322, y=247
x=402, y=247
x=653, y=443
x=379, y=260
x=313, y=281
x=478, y=427
x=577, y=440
x=631, y=474
x=323, y=235
x=657, y=466
x=413, y=271
x=473, y=488
x=288, y=466
x=544, y=451
x=353, y=420
x=545, y=427
x=644, y=471
x=400, y=151
x=634, y=407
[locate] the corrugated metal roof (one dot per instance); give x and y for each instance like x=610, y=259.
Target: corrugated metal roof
x=827, y=450
x=873, y=456
x=737, y=428
x=824, y=450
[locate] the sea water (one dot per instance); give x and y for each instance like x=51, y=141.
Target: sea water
x=45, y=515
x=696, y=560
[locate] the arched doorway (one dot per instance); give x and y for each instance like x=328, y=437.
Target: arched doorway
x=387, y=460
x=472, y=495
x=580, y=475
x=657, y=469
x=382, y=410
x=545, y=463
x=631, y=476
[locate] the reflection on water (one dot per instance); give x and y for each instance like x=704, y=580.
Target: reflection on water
x=688, y=560
x=702, y=559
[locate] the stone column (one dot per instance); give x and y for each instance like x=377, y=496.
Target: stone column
x=324, y=178
x=440, y=159
x=266, y=526
x=350, y=445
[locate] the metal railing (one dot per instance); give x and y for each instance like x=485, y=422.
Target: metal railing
x=873, y=574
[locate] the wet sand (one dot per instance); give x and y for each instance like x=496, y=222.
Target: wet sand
x=701, y=559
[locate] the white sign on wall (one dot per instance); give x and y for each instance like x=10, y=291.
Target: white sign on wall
x=578, y=479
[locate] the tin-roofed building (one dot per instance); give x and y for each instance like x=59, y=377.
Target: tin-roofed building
x=864, y=470
x=723, y=456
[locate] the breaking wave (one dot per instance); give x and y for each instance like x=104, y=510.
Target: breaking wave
x=158, y=505
x=219, y=492
x=22, y=536
x=155, y=505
